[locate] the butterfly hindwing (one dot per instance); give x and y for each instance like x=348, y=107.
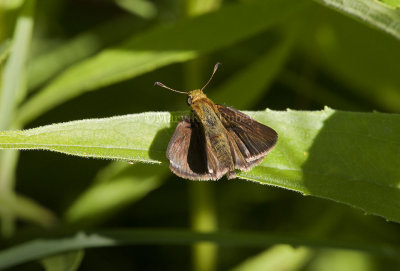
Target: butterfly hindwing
x=189, y=155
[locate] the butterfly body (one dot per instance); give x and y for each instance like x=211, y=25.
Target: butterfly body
x=206, y=113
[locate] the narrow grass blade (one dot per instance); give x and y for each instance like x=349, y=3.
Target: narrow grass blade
x=52, y=62
x=26, y=209
x=12, y=89
x=40, y=248
x=126, y=185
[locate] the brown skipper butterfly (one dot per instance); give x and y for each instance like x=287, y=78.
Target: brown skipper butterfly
x=215, y=140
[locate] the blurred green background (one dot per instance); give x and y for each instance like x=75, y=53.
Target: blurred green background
x=78, y=59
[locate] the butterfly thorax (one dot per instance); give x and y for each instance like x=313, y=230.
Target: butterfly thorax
x=203, y=108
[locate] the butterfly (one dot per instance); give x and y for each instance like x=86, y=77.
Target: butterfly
x=216, y=140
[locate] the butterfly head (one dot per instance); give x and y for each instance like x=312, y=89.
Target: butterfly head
x=195, y=95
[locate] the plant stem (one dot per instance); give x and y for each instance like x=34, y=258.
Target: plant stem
x=203, y=219
x=201, y=198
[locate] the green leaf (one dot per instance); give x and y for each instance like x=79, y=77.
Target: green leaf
x=279, y=257
x=371, y=11
x=337, y=155
x=342, y=156
x=342, y=260
x=159, y=47
x=197, y=7
x=12, y=89
x=141, y=8
x=129, y=137
x=14, y=71
x=69, y=261
x=41, y=248
x=4, y=50
x=52, y=62
x=393, y=3
x=12, y=4
x=27, y=209
x=117, y=186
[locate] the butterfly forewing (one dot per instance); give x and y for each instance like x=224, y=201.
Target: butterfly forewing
x=253, y=139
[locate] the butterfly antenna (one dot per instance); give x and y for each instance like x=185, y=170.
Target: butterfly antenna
x=164, y=86
x=215, y=69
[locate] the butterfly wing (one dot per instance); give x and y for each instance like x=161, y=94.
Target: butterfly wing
x=253, y=139
x=189, y=155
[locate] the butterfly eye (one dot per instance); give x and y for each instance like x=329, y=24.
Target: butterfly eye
x=189, y=100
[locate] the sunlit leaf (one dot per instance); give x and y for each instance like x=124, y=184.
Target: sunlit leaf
x=393, y=3
x=69, y=261
x=279, y=257
x=142, y=8
x=336, y=155
x=12, y=89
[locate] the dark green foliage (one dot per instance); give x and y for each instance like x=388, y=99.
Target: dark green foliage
x=78, y=60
